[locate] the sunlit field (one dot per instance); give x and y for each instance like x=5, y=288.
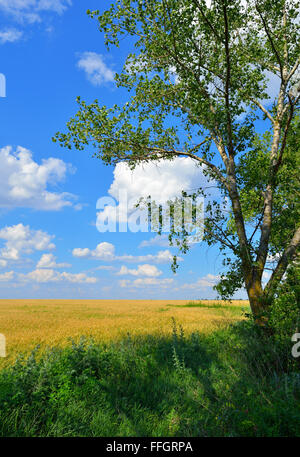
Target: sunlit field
x=155, y=368
x=28, y=323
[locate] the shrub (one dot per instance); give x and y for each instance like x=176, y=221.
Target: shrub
x=284, y=313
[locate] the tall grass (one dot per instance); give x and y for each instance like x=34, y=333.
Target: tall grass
x=227, y=383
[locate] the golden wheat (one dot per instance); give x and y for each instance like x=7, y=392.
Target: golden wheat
x=27, y=323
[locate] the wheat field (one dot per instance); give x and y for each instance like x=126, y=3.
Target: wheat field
x=28, y=323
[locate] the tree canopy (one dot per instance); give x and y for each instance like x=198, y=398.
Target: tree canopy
x=199, y=80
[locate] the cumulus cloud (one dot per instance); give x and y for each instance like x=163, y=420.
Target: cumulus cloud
x=50, y=275
x=23, y=182
x=146, y=282
x=6, y=277
x=141, y=270
x=78, y=278
x=163, y=181
x=161, y=257
x=103, y=251
x=106, y=251
x=21, y=239
x=97, y=72
x=203, y=283
x=31, y=10
x=49, y=261
x=157, y=240
x=9, y=35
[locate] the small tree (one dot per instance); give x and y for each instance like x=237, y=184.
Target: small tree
x=198, y=81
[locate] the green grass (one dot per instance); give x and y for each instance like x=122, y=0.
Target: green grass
x=227, y=383
x=213, y=306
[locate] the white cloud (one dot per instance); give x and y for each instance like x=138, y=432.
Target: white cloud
x=146, y=282
x=23, y=182
x=104, y=268
x=58, y=6
x=50, y=275
x=157, y=240
x=41, y=275
x=106, y=251
x=203, y=283
x=10, y=35
x=142, y=270
x=161, y=257
x=3, y=263
x=96, y=70
x=103, y=251
x=49, y=261
x=78, y=278
x=78, y=252
x=22, y=239
x=30, y=10
x=163, y=181
x=6, y=277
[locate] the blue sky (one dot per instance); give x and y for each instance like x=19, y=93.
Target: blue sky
x=51, y=52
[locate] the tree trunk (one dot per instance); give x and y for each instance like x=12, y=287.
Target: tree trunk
x=257, y=301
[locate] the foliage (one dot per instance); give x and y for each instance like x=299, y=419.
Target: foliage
x=284, y=313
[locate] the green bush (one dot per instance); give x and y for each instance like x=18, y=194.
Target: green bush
x=284, y=313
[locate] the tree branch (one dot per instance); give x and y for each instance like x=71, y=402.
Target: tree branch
x=264, y=110
x=288, y=255
x=283, y=143
x=210, y=25
x=256, y=227
x=293, y=70
x=164, y=153
x=175, y=55
x=224, y=239
x=271, y=40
